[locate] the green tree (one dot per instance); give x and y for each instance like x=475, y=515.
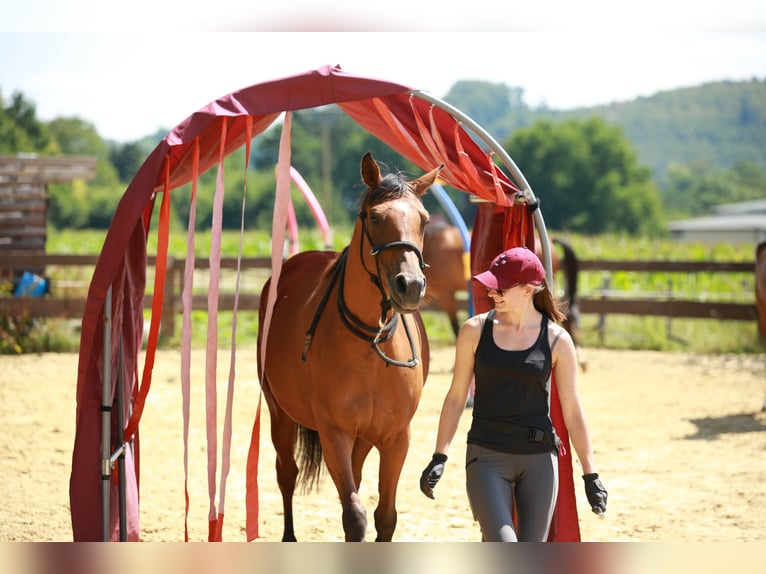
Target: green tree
x=696, y=188
x=75, y=136
x=20, y=130
x=126, y=159
x=587, y=177
x=88, y=204
x=498, y=108
x=327, y=148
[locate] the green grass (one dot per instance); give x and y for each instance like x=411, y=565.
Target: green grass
x=618, y=332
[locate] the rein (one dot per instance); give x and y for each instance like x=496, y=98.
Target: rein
x=386, y=327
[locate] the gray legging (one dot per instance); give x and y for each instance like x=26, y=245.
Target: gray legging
x=496, y=480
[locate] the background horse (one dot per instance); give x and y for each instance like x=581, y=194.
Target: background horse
x=760, y=287
x=760, y=291
x=448, y=274
x=448, y=267
x=347, y=355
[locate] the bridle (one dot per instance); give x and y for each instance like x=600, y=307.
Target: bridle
x=386, y=326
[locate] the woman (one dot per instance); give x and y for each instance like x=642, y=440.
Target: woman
x=511, y=351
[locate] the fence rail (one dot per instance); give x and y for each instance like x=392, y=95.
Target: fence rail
x=607, y=302
x=602, y=302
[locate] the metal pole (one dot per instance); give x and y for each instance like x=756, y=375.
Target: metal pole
x=121, y=450
x=526, y=190
x=106, y=415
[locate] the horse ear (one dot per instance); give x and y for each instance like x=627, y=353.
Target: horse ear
x=421, y=185
x=370, y=171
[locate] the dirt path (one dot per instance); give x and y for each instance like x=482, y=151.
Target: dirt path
x=680, y=441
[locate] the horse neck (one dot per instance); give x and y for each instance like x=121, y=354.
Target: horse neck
x=361, y=295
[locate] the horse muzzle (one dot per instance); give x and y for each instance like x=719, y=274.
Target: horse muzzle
x=406, y=290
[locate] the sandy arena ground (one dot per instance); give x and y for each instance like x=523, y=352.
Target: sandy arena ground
x=680, y=441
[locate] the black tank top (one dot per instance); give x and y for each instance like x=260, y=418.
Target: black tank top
x=512, y=393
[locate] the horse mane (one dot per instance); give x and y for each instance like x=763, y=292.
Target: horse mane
x=392, y=186
x=332, y=265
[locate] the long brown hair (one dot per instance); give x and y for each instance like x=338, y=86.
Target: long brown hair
x=545, y=302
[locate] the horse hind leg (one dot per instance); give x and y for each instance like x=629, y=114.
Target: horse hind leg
x=283, y=435
x=450, y=308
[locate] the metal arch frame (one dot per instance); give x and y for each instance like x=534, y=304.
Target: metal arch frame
x=109, y=457
x=526, y=189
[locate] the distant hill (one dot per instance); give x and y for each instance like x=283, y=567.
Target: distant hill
x=716, y=124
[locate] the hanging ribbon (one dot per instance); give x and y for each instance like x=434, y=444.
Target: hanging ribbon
x=211, y=351
x=186, y=328
x=278, y=225
x=313, y=204
x=471, y=174
x=158, y=295
x=227, y=425
x=398, y=130
x=292, y=227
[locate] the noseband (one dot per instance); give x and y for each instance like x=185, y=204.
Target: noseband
x=375, y=250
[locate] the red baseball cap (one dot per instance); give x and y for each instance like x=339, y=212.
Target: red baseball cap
x=511, y=267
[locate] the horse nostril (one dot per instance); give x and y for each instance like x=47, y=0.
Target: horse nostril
x=400, y=284
x=408, y=288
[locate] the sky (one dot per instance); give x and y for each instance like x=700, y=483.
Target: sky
x=129, y=84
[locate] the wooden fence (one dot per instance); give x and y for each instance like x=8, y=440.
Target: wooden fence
x=606, y=301
x=602, y=301
x=24, y=180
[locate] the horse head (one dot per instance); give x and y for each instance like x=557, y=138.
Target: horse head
x=393, y=221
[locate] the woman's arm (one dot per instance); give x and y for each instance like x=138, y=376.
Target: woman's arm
x=565, y=374
x=462, y=377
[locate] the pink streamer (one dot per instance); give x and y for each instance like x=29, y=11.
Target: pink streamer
x=227, y=426
x=292, y=226
x=313, y=204
x=278, y=228
x=186, y=329
x=211, y=351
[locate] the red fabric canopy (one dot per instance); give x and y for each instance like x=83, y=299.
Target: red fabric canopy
x=425, y=134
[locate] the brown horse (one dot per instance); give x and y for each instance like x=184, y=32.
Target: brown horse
x=346, y=356
x=760, y=291
x=760, y=287
x=448, y=274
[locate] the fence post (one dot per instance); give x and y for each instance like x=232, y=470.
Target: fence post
x=669, y=320
x=602, y=317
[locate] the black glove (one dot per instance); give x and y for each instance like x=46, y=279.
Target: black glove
x=595, y=492
x=432, y=474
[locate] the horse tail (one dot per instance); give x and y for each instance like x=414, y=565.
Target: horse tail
x=571, y=267
x=309, y=458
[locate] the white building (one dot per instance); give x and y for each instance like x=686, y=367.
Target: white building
x=743, y=222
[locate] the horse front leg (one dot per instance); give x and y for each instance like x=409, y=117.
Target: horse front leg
x=392, y=456
x=361, y=449
x=337, y=450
